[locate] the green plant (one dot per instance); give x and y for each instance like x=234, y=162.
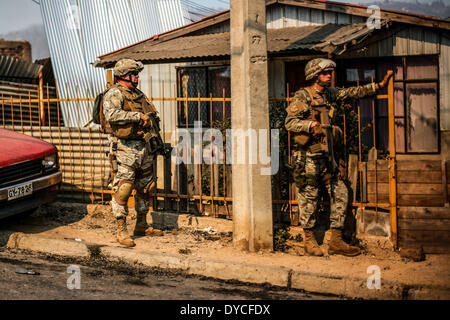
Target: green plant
x=281, y=180
x=280, y=236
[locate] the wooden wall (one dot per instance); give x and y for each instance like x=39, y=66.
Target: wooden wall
x=423, y=195
x=400, y=40
x=428, y=227
x=419, y=182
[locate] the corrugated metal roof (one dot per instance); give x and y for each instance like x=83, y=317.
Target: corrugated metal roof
x=18, y=69
x=329, y=38
x=358, y=11
x=103, y=26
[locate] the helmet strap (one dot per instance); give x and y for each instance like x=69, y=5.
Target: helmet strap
x=322, y=83
x=128, y=79
x=134, y=84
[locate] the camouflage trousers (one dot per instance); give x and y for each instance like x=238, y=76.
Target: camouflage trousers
x=309, y=195
x=135, y=164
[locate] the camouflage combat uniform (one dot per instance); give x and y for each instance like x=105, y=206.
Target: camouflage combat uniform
x=135, y=162
x=313, y=171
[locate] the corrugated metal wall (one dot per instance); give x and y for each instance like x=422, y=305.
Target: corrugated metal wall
x=282, y=16
x=67, y=57
x=415, y=41
x=79, y=31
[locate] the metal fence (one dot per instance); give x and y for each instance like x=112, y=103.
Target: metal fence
x=196, y=188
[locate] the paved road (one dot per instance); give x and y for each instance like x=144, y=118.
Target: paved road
x=103, y=280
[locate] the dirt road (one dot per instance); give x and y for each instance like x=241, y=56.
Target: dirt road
x=105, y=280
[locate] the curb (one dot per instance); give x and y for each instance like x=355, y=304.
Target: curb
x=223, y=270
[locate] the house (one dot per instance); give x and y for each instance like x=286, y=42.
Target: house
x=24, y=80
x=16, y=49
x=195, y=59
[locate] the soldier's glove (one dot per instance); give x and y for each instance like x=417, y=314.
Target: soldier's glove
x=384, y=83
x=145, y=120
x=316, y=129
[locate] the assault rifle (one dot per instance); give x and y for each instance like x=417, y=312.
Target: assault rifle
x=328, y=130
x=152, y=137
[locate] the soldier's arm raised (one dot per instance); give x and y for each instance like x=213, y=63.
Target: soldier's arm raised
x=112, y=109
x=363, y=91
x=356, y=92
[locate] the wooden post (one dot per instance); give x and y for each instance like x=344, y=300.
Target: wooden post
x=252, y=191
x=392, y=165
x=41, y=97
x=109, y=78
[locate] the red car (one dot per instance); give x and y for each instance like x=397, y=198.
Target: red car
x=29, y=173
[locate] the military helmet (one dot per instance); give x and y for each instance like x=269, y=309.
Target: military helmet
x=316, y=66
x=125, y=66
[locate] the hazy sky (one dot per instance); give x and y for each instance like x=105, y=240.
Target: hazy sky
x=19, y=14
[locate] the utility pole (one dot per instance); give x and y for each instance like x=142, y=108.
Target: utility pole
x=251, y=191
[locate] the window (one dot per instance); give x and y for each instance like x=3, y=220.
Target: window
x=206, y=81
x=415, y=101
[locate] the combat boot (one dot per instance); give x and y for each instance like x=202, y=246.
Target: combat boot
x=143, y=229
x=122, y=233
x=338, y=246
x=310, y=244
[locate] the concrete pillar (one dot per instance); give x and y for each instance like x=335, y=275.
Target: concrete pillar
x=252, y=194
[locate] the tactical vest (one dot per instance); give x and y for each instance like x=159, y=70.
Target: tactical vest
x=136, y=102
x=321, y=111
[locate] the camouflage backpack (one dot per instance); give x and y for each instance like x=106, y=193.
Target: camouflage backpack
x=97, y=113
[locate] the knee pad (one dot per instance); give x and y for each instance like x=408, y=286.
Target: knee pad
x=124, y=190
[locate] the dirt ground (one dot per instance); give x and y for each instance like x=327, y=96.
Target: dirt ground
x=95, y=224
x=102, y=279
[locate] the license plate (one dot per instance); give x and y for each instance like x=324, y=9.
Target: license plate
x=20, y=191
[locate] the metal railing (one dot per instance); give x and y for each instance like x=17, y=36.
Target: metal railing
x=200, y=188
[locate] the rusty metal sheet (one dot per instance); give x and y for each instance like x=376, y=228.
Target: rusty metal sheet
x=330, y=38
x=12, y=68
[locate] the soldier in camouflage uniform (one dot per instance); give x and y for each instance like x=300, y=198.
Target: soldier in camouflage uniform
x=125, y=110
x=310, y=121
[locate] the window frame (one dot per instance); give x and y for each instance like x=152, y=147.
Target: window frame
x=405, y=81
x=206, y=68
x=342, y=78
